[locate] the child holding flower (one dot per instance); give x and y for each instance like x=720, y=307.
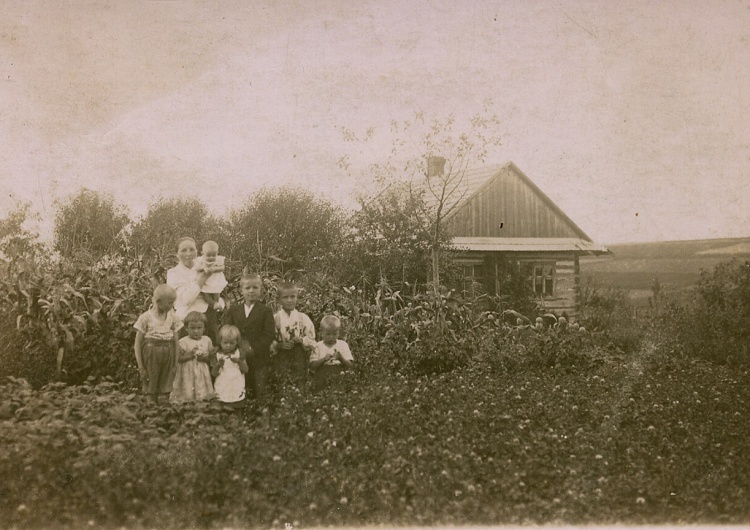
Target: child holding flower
x=330, y=355
x=295, y=335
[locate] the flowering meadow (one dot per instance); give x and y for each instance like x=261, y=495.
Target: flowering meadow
x=508, y=438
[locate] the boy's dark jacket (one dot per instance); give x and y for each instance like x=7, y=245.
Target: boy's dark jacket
x=258, y=329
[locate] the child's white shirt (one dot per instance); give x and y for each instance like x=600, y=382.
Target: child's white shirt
x=153, y=327
x=294, y=325
x=321, y=350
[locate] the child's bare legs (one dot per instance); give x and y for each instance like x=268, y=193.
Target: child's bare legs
x=211, y=298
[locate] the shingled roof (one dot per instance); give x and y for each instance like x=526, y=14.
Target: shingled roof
x=475, y=179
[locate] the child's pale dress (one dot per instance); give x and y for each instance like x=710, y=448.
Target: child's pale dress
x=216, y=282
x=192, y=381
x=230, y=383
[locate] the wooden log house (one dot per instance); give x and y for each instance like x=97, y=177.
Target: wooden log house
x=501, y=221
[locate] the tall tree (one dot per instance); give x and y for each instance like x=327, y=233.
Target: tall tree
x=385, y=244
x=284, y=229
x=169, y=219
x=19, y=241
x=428, y=162
x=89, y=223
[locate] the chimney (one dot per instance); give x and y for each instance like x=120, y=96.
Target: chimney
x=435, y=166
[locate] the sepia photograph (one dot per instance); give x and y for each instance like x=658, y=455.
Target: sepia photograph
x=298, y=264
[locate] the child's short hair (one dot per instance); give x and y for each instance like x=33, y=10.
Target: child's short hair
x=183, y=239
x=195, y=316
x=229, y=331
x=210, y=245
x=286, y=286
x=330, y=322
x=250, y=276
x=163, y=291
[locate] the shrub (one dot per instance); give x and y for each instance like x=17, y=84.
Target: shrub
x=609, y=312
x=285, y=228
x=89, y=223
x=713, y=325
x=601, y=308
x=169, y=219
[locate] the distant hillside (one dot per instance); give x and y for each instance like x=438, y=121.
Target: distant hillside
x=734, y=247
x=676, y=264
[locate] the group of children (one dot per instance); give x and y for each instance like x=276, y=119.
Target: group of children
x=178, y=361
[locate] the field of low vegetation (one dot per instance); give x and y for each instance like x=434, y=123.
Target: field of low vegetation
x=676, y=265
x=452, y=415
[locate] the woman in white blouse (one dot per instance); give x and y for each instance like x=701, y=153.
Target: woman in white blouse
x=188, y=284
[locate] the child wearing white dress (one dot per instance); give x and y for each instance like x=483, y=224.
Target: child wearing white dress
x=230, y=367
x=192, y=381
x=211, y=263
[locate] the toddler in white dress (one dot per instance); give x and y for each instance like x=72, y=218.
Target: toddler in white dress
x=230, y=367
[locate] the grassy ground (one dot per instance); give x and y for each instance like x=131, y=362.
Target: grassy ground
x=645, y=439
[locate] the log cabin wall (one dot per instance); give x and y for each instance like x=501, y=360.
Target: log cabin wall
x=564, y=298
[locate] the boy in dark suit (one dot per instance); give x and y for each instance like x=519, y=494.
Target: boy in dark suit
x=255, y=321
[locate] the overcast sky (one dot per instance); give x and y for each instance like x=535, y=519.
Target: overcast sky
x=634, y=117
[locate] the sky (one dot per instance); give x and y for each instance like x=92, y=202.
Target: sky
x=634, y=117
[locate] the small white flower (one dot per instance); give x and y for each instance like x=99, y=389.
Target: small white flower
x=276, y=458
x=344, y=500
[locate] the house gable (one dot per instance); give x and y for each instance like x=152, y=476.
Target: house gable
x=507, y=204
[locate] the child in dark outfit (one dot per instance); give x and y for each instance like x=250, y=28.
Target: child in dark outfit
x=255, y=321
